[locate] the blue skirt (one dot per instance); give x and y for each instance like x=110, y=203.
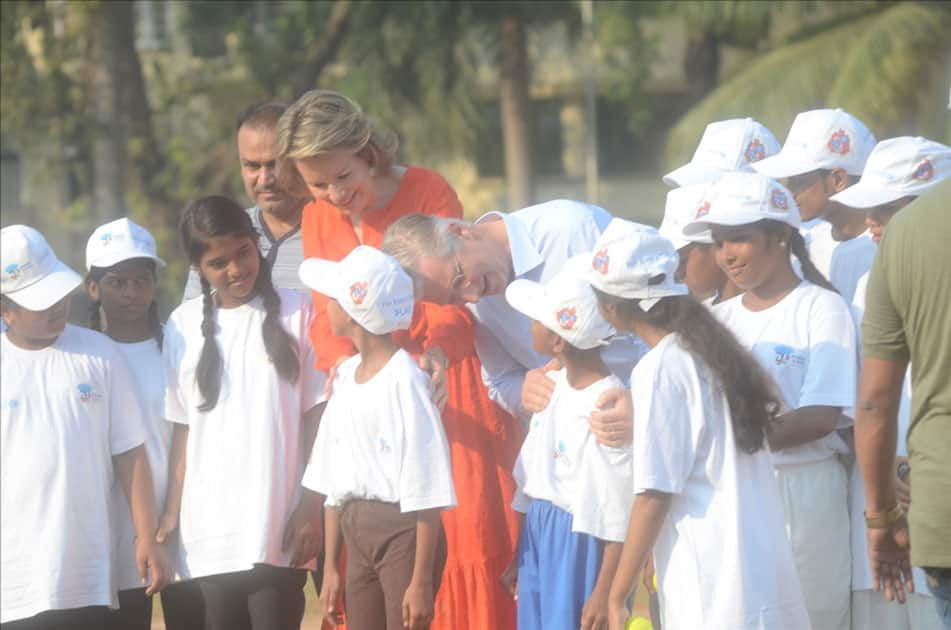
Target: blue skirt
x=557, y=569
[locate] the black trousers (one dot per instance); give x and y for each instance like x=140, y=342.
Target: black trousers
x=135, y=611
x=263, y=598
x=87, y=618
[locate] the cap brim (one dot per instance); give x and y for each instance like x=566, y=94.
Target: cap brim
x=323, y=276
x=701, y=225
x=47, y=291
x=691, y=174
x=865, y=196
x=114, y=258
x=527, y=297
x=780, y=166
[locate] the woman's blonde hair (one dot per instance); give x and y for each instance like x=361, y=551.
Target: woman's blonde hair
x=322, y=121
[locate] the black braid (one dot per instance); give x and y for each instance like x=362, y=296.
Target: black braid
x=208, y=371
x=280, y=346
x=797, y=245
x=95, y=316
x=156, y=325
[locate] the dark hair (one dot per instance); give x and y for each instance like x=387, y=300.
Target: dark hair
x=797, y=247
x=219, y=216
x=96, y=274
x=262, y=115
x=749, y=391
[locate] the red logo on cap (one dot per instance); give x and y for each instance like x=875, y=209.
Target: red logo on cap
x=839, y=142
x=777, y=199
x=600, y=261
x=924, y=171
x=358, y=292
x=755, y=151
x=567, y=318
x=703, y=210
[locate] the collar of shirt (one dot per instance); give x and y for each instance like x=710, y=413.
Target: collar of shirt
x=525, y=256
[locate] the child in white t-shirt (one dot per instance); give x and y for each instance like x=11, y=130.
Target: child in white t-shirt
x=824, y=153
x=244, y=399
x=573, y=492
x=705, y=497
x=122, y=268
x=381, y=457
x=698, y=266
x=802, y=333
x=71, y=425
x=897, y=171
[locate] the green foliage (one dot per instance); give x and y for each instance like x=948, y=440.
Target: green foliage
x=887, y=68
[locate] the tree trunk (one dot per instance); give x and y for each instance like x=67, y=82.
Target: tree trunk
x=108, y=141
x=516, y=113
x=701, y=63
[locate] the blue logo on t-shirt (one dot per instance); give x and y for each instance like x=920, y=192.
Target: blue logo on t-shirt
x=11, y=404
x=561, y=452
x=785, y=355
x=87, y=393
x=384, y=446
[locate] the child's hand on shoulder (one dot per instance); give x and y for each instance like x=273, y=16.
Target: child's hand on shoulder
x=418, y=606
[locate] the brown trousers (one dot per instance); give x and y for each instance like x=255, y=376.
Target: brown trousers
x=381, y=551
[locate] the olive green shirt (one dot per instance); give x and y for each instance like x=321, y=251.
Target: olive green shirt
x=908, y=318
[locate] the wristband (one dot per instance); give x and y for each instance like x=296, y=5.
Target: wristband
x=885, y=520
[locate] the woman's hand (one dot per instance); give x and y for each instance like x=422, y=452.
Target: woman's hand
x=435, y=362
x=612, y=423
x=304, y=532
x=418, y=606
x=331, y=375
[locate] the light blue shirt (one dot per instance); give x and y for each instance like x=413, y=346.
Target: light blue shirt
x=541, y=238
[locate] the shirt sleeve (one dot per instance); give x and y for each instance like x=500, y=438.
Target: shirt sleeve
x=425, y=480
x=830, y=372
x=126, y=410
x=442, y=200
x=173, y=349
x=665, y=439
x=315, y=477
x=883, y=332
x=501, y=373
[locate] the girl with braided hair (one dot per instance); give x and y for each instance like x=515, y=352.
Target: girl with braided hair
x=244, y=400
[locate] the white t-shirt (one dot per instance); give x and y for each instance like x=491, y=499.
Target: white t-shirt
x=145, y=363
x=67, y=410
x=842, y=262
x=806, y=343
x=382, y=440
x=562, y=462
x=244, y=459
x=722, y=556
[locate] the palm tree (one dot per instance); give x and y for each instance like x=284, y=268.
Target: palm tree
x=888, y=67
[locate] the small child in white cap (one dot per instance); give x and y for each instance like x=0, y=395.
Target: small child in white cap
x=572, y=490
x=897, y=172
x=381, y=456
x=726, y=146
x=705, y=500
x=71, y=425
x=698, y=254
x=824, y=153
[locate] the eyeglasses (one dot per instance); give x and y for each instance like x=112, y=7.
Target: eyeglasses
x=459, y=277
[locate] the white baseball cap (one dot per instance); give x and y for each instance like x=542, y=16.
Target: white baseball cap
x=628, y=257
x=32, y=275
x=682, y=207
x=370, y=286
x=565, y=305
x=744, y=198
x=898, y=167
x=726, y=145
x=120, y=240
x=821, y=139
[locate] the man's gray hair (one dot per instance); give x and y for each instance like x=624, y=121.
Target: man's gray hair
x=414, y=235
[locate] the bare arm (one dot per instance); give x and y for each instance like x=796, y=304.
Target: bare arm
x=802, y=426
x=176, y=483
x=330, y=590
x=419, y=598
x=876, y=435
x=132, y=468
x=648, y=514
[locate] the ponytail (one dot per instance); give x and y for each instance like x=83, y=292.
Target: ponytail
x=797, y=246
x=208, y=371
x=280, y=346
x=750, y=393
x=155, y=324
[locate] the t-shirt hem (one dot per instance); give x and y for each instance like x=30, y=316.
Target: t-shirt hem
x=427, y=503
x=880, y=352
x=126, y=447
x=658, y=485
x=31, y=610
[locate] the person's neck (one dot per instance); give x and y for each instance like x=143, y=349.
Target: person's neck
x=727, y=291
x=773, y=290
x=583, y=368
x=649, y=333
x=848, y=225
x=375, y=352
x=28, y=343
x=494, y=234
x=385, y=188
x=128, y=332
x=280, y=222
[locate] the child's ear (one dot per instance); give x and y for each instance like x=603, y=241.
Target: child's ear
x=93, y=289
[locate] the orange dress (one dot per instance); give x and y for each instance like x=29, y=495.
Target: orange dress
x=484, y=441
